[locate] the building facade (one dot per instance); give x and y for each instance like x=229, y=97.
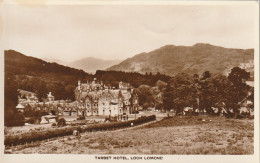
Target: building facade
x=95, y=98
x=28, y=101
x=92, y=99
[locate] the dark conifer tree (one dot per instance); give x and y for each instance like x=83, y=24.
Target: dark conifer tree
x=168, y=98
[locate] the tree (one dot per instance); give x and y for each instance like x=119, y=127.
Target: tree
x=11, y=116
x=161, y=85
x=221, y=85
x=40, y=89
x=107, y=78
x=10, y=92
x=145, y=96
x=238, y=90
x=214, y=92
x=238, y=76
x=206, y=95
x=183, y=91
x=168, y=98
x=157, y=96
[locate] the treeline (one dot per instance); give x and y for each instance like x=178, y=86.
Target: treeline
x=134, y=78
x=200, y=92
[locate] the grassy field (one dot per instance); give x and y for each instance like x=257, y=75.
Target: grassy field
x=175, y=135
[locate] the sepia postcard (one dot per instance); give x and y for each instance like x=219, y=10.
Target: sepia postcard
x=140, y=81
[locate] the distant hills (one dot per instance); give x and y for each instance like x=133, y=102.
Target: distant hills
x=88, y=64
x=171, y=60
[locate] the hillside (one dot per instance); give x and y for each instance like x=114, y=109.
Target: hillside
x=90, y=64
x=55, y=60
x=198, y=58
x=41, y=77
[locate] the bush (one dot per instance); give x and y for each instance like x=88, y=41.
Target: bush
x=61, y=122
x=54, y=124
x=13, y=119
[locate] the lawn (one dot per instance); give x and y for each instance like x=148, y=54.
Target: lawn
x=174, y=135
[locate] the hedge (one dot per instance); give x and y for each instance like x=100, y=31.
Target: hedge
x=51, y=133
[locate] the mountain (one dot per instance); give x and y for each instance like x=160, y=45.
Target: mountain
x=90, y=64
x=198, y=58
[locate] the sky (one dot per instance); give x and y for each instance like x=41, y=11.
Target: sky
x=72, y=32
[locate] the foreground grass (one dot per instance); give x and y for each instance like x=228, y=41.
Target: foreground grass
x=186, y=135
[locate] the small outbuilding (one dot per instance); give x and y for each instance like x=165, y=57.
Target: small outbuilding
x=20, y=107
x=48, y=119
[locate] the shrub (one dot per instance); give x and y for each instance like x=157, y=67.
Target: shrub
x=54, y=124
x=61, y=122
x=10, y=121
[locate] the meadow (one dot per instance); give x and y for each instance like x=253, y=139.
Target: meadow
x=174, y=135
